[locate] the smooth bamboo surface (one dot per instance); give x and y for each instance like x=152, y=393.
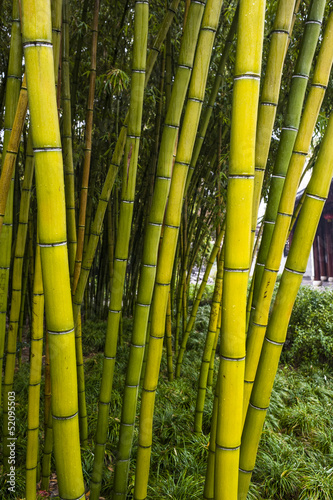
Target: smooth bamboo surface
x=289, y=132
x=38, y=52
x=170, y=236
x=257, y=328
x=37, y=330
x=306, y=227
x=238, y=246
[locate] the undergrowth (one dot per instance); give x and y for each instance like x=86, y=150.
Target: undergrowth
x=295, y=458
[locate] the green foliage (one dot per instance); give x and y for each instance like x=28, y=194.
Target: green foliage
x=309, y=339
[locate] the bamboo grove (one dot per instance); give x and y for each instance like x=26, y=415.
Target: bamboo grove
x=139, y=140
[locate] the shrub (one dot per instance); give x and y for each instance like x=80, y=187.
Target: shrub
x=309, y=339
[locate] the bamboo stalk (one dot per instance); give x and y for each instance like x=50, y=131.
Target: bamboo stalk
x=198, y=298
x=209, y=344
x=258, y=324
x=170, y=237
x=280, y=36
x=13, y=85
x=12, y=150
x=289, y=132
x=37, y=328
x=277, y=328
x=123, y=236
x=113, y=170
x=37, y=29
x=237, y=246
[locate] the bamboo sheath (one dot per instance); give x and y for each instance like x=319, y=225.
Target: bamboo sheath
x=13, y=85
x=170, y=237
x=112, y=174
x=237, y=246
x=289, y=132
x=123, y=236
x=12, y=150
x=259, y=321
x=280, y=36
x=316, y=195
x=37, y=328
x=209, y=344
x=67, y=144
x=197, y=300
x=36, y=24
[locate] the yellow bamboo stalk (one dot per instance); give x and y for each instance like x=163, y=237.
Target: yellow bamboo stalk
x=34, y=380
x=295, y=267
x=257, y=327
x=38, y=52
x=238, y=246
x=12, y=150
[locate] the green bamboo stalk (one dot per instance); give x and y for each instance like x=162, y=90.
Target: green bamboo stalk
x=237, y=246
x=112, y=173
x=257, y=327
x=208, y=493
x=12, y=150
x=13, y=85
x=209, y=344
x=66, y=139
x=212, y=98
x=197, y=300
x=151, y=245
x=37, y=328
x=75, y=73
x=87, y=148
x=20, y=245
x=170, y=237
x=56, y=16
x=23, y=304
x=289, y=132
x=210, y=377
x=169, y=340
x=46, y=460
x=81, y=224
x=280, y=36
x=277, y=329
x=123, y=236
x=38, y=53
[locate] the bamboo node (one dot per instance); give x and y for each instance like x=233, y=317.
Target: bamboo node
x=274, y=342
x=65, y=332
x=225, y=358
x=294, y=271
x=293, y=129
x=314, y=21
x=258, y=407
x=246, y=471
x=316, y=197
x=37, y=43
x=65, y=418
x=226, y=448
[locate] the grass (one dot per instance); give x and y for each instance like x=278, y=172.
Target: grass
x=295, y=458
